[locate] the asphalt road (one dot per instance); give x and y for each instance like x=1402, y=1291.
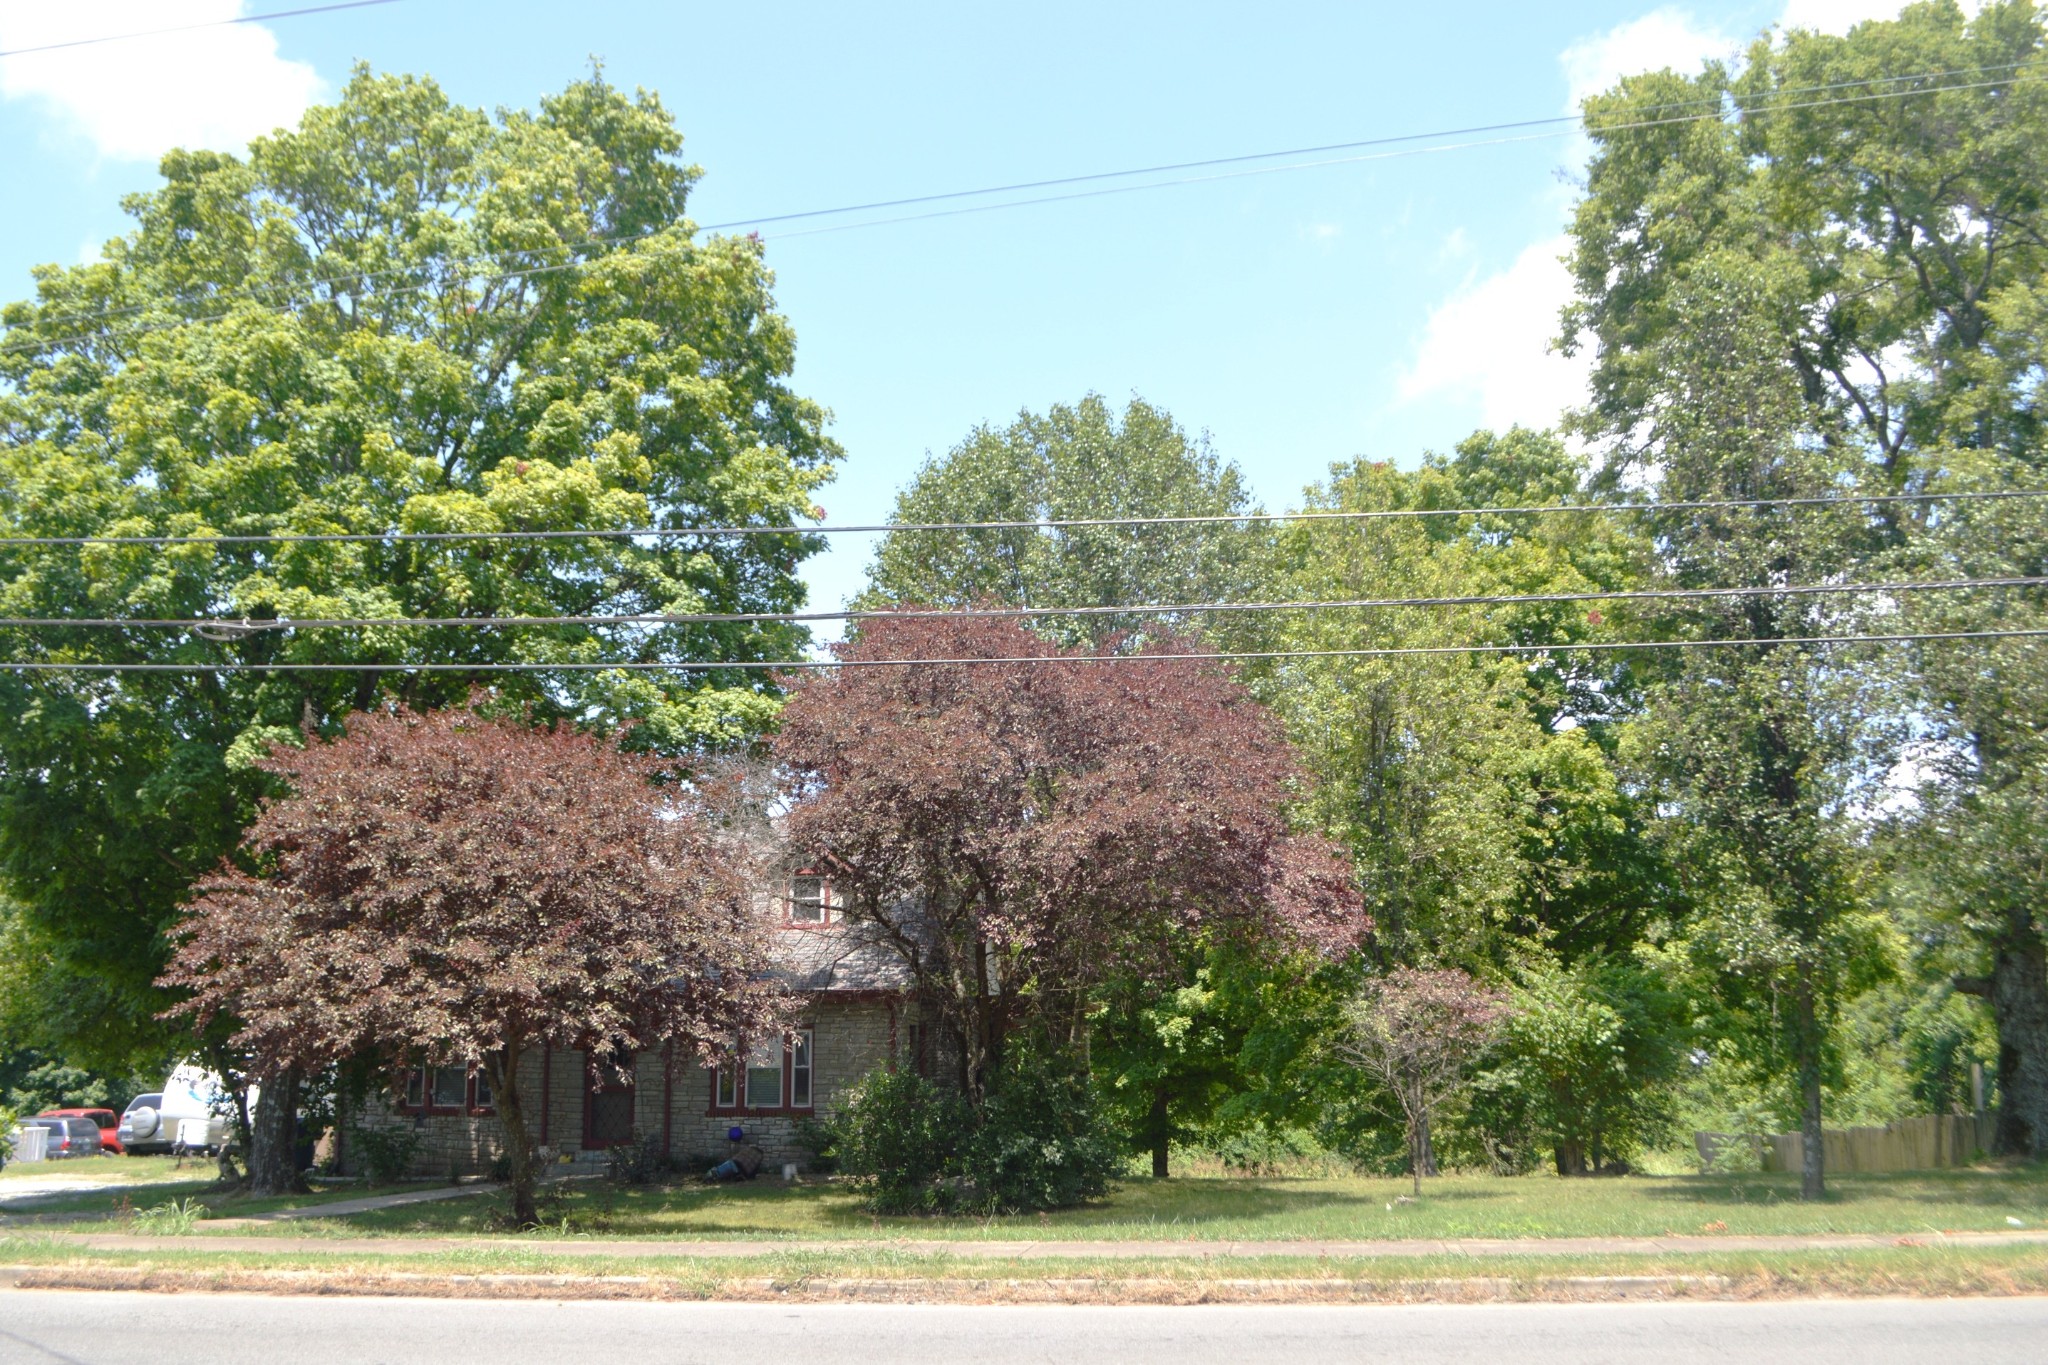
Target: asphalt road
x=120, y=1329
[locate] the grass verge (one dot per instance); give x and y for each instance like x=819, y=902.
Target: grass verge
x=1279, y=1209
x=895, y=1274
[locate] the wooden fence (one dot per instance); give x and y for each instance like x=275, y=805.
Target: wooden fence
x=1920, y=1144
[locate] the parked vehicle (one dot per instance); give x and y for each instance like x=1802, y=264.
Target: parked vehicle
x=189, y=1114
x=108, y=1122
x=68, y=1136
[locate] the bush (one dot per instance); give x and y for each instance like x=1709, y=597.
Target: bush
x=387, y=1152
x=174, y=1219
x=640, y=1162
x=898, y=1135
x=1040, y=1142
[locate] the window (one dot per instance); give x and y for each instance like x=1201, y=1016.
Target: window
x=727, y=1094
x=811, y=900
x=764, y=1074
x=451, y=1087
x=800, y=1069
x=446, y=1090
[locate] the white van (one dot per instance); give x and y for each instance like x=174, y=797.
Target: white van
x=191, y=1113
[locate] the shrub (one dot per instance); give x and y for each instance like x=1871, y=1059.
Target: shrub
x=640, y=1162
x=387, y=1152
x=1040, y=1142
x=897, y=1135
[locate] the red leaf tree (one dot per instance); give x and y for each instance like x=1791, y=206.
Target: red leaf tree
x=449, y=889
x=1418, y=1032
x=1020, y=832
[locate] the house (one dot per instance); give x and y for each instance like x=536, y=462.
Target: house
x=861, y=1014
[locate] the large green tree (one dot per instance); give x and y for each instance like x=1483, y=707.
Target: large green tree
x=403, y=315
x=1868, y=261
x=1078, y=462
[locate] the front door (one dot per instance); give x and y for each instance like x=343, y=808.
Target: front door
x=608, y=1105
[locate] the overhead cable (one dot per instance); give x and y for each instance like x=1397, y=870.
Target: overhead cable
x=36, y=344
x=1048, y=524
x=188, y=28
x=249, y=625
x=793, y=665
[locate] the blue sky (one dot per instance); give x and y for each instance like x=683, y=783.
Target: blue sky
x=1377, y=308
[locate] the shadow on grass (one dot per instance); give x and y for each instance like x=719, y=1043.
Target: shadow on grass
x=1977, y=1187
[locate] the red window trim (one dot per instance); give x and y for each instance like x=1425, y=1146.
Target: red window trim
x=782, y=1108
x=826, y=903
x=469, y=1108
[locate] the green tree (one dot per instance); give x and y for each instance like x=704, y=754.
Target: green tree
x=403, y=315
x=1072, y=463
x=1587, y=1057
x=1898, y=237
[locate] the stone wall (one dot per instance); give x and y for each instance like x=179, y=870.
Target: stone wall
x=851, y=1036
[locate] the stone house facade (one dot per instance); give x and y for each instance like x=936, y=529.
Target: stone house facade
x=860, y=1015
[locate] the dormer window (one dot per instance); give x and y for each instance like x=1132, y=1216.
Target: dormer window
x=810, y=899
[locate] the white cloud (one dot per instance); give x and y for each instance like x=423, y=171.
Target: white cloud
x=135, y=99
x=1490, y=343
x=1666, y=37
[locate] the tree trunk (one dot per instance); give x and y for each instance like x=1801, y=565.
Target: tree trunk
x=1571, y=1157
x=1807, y=1042
x=2018, y=992
x=273, y=1136
x=1160, y=1131
x=502, y=1069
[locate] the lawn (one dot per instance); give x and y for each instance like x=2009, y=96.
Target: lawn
x=107, y=1170
x=1278, y=1209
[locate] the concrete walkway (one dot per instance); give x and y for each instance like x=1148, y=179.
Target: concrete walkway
x=1480, y=1248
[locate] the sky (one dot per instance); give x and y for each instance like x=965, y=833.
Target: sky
x=1378, y=308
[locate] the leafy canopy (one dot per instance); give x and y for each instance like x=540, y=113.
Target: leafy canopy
x=401, y=315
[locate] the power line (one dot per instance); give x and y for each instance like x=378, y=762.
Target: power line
x=188, y=28
x=245, y=625
x=1048, y=524
x=37, y=344
x=792, y=665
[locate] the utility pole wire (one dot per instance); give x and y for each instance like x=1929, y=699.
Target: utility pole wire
x=792, y=665
x=248, y=625
x=188, y=28
x=37, y=344
x=1049, y=524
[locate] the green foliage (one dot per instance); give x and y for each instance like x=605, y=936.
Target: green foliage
x=31, y=1081
x=173, y=1218
x=898, y=1136
x=643, y=1161
x=1071, y=463
x=228, y=367
x=1036, y=1142
x=386, y=1152
x=1039, y=1141
x=1583, y=1068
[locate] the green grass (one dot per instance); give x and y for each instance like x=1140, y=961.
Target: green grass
x=155, y=1181
x=107, y=1170
x=1273, y=1208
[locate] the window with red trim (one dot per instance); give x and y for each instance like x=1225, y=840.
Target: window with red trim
x=811, y=899
x=446, y=1090
x=770, y=1075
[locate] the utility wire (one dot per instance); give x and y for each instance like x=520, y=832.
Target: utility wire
x=36, y=344
x=792, y=665
x=621, y=239
x=246, y=625
x=1049, y=524
x=188, y=28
